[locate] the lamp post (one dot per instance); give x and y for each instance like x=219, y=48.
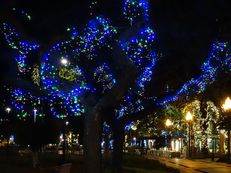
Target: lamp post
x=35, y=114
x=64, y=61
x=227, y=108
x=168, y=123
x=8, y=109
x=189, y=119
x=64, y=141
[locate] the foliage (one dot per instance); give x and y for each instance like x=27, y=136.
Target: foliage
x=225, y=121
x=150, y=126
x=204, y=126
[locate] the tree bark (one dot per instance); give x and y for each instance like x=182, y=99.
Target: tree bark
x=92, y=149
x=106, y=146
x=106, y=154
x=117, y=157
x=35, y=158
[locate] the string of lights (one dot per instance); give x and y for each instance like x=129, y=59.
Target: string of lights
x=23, y=13
x=135, y=9
x=219, y=58
x=55, y=77
x=104, y=77
x=23, y=47
x=65, y=81
x=139, y=48
x=25, y=103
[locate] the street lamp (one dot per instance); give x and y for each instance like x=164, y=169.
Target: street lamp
x=35, y=114
x=227, y=108
x=168, y=123
x=8, y=109
x=189, y=119
x=64, y=141
x=64, y=61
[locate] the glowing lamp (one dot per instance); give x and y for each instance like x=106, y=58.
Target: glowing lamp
x=168, y=122
x=8, y=109
x=189, y=116
x=64, y=61
x=227, y=105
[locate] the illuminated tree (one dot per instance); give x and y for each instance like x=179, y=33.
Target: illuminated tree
x=90, y=72
x=218, y=60
x=102, y=68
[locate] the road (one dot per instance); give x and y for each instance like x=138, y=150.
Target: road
x=195, y=165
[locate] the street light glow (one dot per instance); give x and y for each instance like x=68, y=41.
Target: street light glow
x=134, y=127
x=64, y=61
x=227, y=105
x=35, y=111
x=168, y=122
x=189, y=116
x=8, y=109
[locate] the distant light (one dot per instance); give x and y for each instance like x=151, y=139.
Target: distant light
x=227, y=105
x=64, y=61
x=134, y=127
x=168, y=122
x=67, y=123
x=11, y=138
x=189, y=116
x=35, y=110
x=8, y=109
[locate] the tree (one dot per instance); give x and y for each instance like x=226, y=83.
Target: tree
x=82, y=92
x=72, y=81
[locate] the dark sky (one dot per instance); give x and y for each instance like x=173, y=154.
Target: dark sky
x=185, y=29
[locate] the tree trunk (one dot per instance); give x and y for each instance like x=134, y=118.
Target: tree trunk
x=222, y=142
x=92, y=149
x=142, y=147
x=204, y=126
x=106, y=146
x=106, y=159
x=117, y=157
x=35, y=160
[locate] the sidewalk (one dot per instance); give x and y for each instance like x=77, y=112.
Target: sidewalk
x=195, y=165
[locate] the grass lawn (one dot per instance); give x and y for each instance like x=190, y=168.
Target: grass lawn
x=144, y=165
x=16, y=163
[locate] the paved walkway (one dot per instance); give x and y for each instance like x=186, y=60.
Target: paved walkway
x=195, y=165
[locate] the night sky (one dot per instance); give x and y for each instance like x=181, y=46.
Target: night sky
x=185, y=30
